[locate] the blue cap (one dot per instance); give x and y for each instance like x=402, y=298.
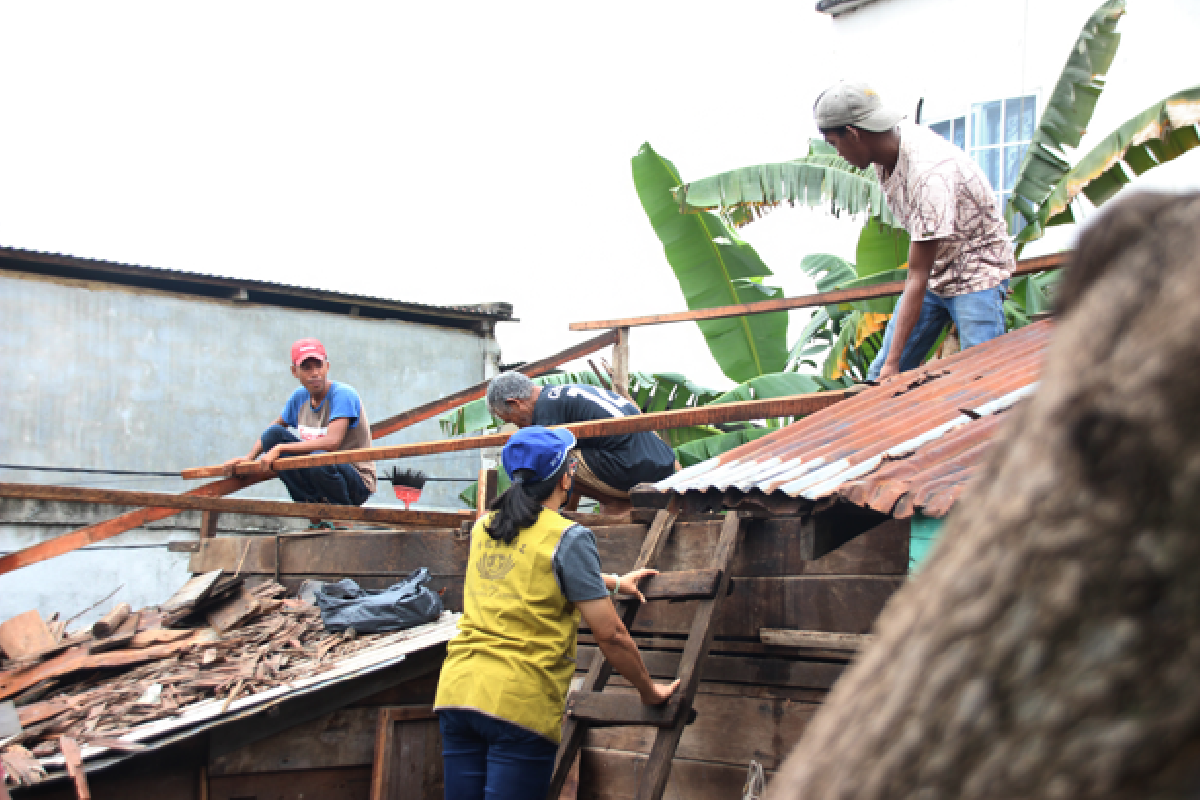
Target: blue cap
x=542, y=450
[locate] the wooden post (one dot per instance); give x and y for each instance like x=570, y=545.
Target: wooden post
x=74, y=761
x=621, y=363
x=485, y=492
x=208, y=524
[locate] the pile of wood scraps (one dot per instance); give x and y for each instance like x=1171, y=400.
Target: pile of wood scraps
x=93, y=685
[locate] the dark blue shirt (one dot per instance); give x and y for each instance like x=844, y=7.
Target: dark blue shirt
x=620, y=461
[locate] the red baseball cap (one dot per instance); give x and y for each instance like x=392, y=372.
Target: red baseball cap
x=307, y=348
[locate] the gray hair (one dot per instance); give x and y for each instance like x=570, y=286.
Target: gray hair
x=507, y=386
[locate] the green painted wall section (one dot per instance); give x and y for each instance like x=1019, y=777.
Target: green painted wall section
x=924, y=531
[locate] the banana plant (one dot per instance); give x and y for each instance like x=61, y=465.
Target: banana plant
x=714, y=268
x=1064, y=121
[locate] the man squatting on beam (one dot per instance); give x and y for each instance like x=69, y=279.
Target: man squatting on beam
x=959, y=259
x=321, y=416
x=609, y=466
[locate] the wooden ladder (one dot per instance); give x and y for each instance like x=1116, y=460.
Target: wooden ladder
x=589, y=707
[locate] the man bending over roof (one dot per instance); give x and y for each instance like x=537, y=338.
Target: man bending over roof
x=321, y=416
x=959, y=259
x=609, y=466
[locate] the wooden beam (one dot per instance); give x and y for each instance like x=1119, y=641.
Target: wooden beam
x=1025, y=267
x=112, y=527
x=208, y=524
x=620, y=376
x=485, y=490
x=266, y=508
x=792, y=406
x=534, y=369
x=608, y=708
x=824, y=640
x=693, y=584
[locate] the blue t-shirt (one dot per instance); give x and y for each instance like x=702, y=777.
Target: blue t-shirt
x=343, y=402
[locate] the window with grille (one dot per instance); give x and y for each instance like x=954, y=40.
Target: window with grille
x=998, y=133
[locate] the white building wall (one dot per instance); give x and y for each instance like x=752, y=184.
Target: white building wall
x=957, y=52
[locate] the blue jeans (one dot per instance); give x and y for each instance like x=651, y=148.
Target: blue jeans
x=337, y=484
x=485, y=757
x=979, y=317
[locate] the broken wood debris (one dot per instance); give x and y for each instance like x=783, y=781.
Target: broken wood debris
x=265, y=640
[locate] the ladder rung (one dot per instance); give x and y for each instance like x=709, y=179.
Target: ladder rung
x=607, y=708
x=692, y=584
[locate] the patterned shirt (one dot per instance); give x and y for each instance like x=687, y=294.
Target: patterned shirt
x=938, y=192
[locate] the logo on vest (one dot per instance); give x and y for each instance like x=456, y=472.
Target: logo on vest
x=494, y=566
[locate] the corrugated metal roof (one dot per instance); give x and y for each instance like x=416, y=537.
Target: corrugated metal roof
x=265, y=292
x=911, y=443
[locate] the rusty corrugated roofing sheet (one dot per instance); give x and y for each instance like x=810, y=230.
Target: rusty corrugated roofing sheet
x=910, y=444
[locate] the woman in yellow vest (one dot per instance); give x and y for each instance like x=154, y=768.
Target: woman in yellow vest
x=530, y=575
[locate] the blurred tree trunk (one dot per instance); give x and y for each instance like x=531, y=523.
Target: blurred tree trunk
x=1051, y=646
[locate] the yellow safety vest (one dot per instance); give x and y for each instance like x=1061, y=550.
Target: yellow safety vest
x=514, y=654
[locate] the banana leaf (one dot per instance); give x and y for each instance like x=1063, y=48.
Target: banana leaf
x=714, y=268
x=1161, y=133
x=779, y=384
x=881, y=256
x=1065, y=119
x=704, y=449
x=821, y=178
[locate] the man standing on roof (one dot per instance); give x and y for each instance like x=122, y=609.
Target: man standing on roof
x=321, y=416
x=959, y=259
x=609, y=466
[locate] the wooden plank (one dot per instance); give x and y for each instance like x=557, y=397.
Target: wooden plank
x=485, y=491
x=760, y=671
x=822, y=639
x=792, y=406
x=728, y=729
x=836, y=603
x=91, y=534
x=889, y=289
x=344, y=783
x=269, y=508
x=343, y=738
x=769, y=549
x=693, y=584
x=441, y=551
x=615, y=775
x=609, y=708
x=840, y=604
x=208, y=524
x=700, y=637
x=25, y=635
x=74, y=759
x=234, y=611
x=442, y=405
x=193, y=590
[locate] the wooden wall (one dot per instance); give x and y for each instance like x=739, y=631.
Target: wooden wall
x=754, y=702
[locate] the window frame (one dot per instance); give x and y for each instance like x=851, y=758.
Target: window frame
x=969, y=116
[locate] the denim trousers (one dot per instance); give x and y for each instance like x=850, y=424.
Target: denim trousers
x=484, y=757
x=979, y=317
x=337, y=484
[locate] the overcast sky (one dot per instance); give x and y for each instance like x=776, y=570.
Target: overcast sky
x=437, y=153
